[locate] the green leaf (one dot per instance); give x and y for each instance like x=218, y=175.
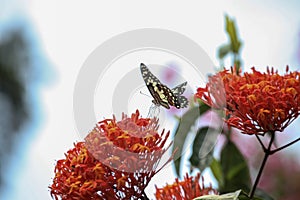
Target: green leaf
x=228, y=196
x=259, y=193
x=224, y=50
x=244, y=196
x=237, y=195
x=203, y=147
x=216, y=169
x=184, y=126
x=232, y=32
x=235, y=169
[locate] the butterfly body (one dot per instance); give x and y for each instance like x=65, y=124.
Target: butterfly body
x=163, y=95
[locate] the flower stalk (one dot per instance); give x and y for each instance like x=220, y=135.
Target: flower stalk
x=267, y=154
x=285, y=146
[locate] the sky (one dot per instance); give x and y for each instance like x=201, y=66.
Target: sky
x=69, y=32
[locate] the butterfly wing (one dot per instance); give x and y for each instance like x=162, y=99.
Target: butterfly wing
x=179, y=89
x=148, y=77
x=162, y=95
x=182, y=101
x=156, y=88
x=158, y=96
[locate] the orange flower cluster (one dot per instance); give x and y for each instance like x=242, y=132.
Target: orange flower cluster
x=187, y=189
x=116, y=161
x=255, y=103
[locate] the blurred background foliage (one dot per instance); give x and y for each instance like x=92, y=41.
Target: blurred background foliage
x=15, y=64
x=22, y=70
x=233, y=47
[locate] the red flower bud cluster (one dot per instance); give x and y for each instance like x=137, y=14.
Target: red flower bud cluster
x=256, y=102
x=116, y=161
x=187, y=189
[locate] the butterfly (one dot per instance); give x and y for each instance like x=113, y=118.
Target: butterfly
x=162, y=95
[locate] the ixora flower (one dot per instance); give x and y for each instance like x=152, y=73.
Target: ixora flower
x=187, y=189
x=116, y=161
x=255, y=103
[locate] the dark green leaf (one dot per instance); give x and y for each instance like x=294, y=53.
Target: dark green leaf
x=259, y=193
x=244, y=196
x=224, y=50
x=198, y=141
x=235, y=169
x=216, y=169
x=184, y=126
x=203, y=147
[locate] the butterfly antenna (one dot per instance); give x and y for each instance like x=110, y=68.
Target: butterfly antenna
x=145, y=94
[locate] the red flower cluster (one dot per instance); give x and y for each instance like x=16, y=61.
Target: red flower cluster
x=256, y=102
x=116, y=161
x=187, y=189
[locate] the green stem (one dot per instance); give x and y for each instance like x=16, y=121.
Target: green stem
x=267, y=153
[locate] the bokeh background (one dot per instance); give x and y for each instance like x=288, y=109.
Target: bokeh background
x=44, y=43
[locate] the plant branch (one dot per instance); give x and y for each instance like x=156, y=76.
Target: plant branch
x=267, y=153
x=285, y=146
x=145, y=196
x=261, y=143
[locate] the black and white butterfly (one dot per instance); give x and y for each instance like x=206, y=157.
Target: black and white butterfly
x=162, y=95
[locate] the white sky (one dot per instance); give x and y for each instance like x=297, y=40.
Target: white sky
x=70, y=30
